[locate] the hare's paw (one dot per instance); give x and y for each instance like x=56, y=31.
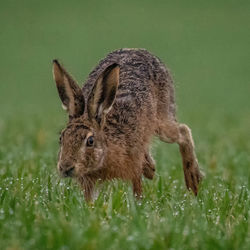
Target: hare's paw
x=193, y=176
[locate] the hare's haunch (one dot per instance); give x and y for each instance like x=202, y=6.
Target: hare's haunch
x=127, y=99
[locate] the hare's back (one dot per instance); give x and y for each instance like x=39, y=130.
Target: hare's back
x=143, y=80
x=137, y=68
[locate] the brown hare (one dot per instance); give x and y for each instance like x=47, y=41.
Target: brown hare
x=127, y=99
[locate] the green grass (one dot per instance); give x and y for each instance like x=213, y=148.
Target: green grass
x=206, y=46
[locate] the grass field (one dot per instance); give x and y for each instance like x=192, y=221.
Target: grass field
x=206, y=46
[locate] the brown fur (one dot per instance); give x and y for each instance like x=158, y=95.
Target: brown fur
x=127, y=99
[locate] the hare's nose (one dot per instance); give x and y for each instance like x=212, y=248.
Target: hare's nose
x=67, y=170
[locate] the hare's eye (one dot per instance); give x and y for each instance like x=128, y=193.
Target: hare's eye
x=60, y=140
x=90, y=141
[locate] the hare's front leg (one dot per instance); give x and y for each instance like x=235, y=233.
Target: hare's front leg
x=148, y=170
x=148, y=167
x=87, y=185
x=171, y=132
x=137, y=187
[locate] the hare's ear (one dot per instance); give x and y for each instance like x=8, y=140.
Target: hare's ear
x=103, y=94
x=70, y=93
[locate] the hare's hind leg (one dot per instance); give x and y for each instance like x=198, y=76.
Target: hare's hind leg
x=171, y=131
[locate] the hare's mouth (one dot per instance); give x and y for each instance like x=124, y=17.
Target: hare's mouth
x=69, y=172
x=66, y=169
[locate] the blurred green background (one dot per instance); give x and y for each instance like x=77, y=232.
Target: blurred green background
x=206, y=45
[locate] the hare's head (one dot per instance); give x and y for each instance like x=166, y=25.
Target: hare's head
x=82, y=143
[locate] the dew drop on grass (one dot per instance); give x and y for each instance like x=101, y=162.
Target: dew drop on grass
x=130, y=238
x=185, y=231
x=217, y=220
x=176, y=213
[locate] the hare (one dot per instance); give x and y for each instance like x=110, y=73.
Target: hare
x=127, y=99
